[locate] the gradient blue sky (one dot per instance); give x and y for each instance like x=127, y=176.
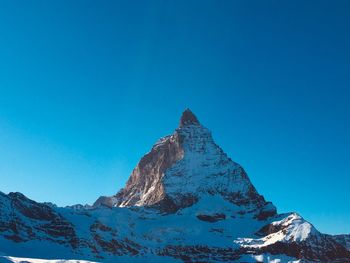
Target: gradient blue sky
x=87, y=87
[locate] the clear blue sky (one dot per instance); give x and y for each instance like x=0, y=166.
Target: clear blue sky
x=87, y=87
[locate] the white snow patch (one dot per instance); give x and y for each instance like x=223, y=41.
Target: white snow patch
x=36, y=260
x=268, y=258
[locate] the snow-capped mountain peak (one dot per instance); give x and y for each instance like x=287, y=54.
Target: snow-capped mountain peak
x=186, y=200
x=184, y=167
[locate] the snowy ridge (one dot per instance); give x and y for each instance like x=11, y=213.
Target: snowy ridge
x=292, y=228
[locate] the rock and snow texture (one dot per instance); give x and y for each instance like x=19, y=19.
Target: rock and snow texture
x=184, y=167
x=291, y=228
x=186, y=200
x=343, y=239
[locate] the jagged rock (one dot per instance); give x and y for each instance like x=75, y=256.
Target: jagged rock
x=342, y=239
x=23, y=219
x=211, y=218
x=188, y=118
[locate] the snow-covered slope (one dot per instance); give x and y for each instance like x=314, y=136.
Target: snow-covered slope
x=186, y=200
x=7, y=259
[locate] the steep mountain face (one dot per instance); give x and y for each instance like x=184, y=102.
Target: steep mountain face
x=185, y=167
x=186, y=200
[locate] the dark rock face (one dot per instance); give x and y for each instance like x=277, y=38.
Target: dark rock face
x=23, y=219
x=269, y=229
x=145, y=187
x=343, y=240
x=314, y=250
x=113, y=244
x=212, y=218
x=168, y=206
x=218, y=254
x=188, y=118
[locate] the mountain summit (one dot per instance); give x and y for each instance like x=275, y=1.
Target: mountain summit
x=188, y=118
x=185, y=167
x=185, y=201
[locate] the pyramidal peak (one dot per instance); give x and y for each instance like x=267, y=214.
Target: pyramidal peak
x=184, y=168
x=188, y=118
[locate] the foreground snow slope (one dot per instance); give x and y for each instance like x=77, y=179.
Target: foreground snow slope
x=246, y=258
x=7, y=259
x=121, y=259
